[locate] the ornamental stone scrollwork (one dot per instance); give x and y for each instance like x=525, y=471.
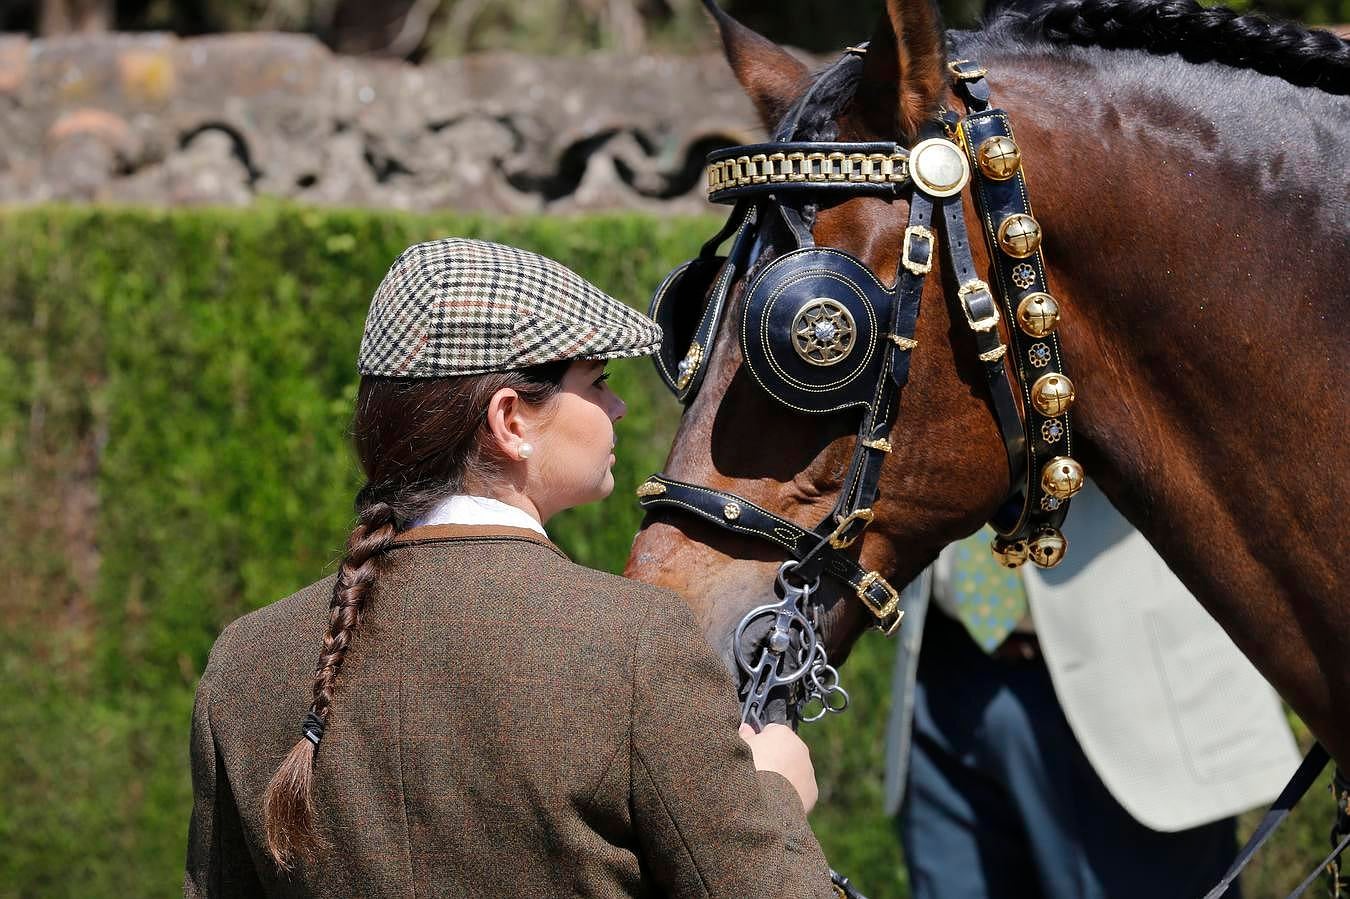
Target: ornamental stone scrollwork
x=226, y=120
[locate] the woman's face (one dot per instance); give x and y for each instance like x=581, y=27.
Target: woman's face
x=574, y=442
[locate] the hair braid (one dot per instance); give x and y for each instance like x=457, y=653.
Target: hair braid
x=419, y=440
x=1303, y=56
x=288, y=807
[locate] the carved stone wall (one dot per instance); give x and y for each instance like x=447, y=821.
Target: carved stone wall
x=157, y=120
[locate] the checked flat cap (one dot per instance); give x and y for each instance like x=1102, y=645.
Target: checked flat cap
x=462, y=307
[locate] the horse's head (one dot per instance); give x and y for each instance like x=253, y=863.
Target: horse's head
x=947, y=470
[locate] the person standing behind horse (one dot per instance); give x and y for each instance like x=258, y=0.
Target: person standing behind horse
x=486, y=718
x=1079, y=732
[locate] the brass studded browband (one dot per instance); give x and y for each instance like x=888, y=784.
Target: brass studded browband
x=736, y=171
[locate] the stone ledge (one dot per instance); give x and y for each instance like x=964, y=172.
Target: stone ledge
x=154, y=119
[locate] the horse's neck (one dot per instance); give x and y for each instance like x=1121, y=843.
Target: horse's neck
x=1205, y=331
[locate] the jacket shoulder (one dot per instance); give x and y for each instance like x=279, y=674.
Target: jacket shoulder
x=256, y=634
x=527, y=577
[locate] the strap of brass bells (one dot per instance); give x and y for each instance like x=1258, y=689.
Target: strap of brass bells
x=1028, y=526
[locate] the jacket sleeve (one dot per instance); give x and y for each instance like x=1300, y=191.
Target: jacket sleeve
x=218, y=861
x=708, y=823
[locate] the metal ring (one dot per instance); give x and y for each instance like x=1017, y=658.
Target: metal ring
x=786, y=569
x=809, y=639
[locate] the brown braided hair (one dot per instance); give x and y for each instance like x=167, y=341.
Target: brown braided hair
x=418, y=441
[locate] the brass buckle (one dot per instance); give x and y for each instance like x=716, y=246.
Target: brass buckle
x=892, y=600
x=918, y=268
x=961, y=74
x=837, y=538
x=975, y=285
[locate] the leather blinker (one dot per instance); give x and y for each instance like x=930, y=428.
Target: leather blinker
x=679, y=306
x=812, y=328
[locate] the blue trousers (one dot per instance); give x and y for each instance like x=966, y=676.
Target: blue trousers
x=1001, y=802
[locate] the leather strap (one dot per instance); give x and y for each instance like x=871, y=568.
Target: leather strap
x=916, y=261
x=977, y=306
x=1043, y=437
x=968, y=77
x=1325, y=864
x=863, y=481
x=1304, y=777
x=740, y=516
x=697, y=354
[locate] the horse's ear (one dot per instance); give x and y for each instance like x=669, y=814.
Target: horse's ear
x=903, y=77
x=772, y=77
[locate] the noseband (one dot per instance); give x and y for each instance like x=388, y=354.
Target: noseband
x=820, y=333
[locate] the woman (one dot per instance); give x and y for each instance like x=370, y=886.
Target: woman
x=486, y=717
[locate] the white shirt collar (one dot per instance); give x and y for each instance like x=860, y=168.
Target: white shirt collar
x=463, y=509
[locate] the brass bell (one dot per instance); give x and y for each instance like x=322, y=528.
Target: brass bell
x=1009, y=555
x=1019, y=235
x=1037, y=314
x=998, y=157
x=1052, y=394
x=1048, y=548
x=1062, y=477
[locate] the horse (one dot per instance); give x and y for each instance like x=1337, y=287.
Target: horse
x=1188, y=170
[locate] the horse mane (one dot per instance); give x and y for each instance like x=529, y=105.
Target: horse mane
x=1309, y=57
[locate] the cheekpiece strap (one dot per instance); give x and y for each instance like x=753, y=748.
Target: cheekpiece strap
x=740, y=516
x=852, y=511
x=811, y=166
x=980, y=310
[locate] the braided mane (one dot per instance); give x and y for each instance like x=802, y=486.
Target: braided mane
x=1308, y=57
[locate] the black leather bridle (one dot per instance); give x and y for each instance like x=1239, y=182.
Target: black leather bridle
x=771, y=187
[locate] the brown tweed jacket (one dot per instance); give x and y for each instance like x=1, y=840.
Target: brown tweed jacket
x=506, y=723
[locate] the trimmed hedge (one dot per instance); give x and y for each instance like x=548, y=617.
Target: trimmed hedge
x=177, y=387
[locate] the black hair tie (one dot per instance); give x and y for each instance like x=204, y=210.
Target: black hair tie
x=312, y=728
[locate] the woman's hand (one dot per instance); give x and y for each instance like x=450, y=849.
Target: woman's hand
x=777, y=748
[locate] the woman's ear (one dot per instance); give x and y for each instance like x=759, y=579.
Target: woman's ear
x=507, y=422
x=772, y=78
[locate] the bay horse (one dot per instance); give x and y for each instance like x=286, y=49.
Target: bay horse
x=1188, y=167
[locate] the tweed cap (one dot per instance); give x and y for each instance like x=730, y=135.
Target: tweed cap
x=458, y=306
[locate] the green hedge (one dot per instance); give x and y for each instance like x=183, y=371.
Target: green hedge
x=176, y=392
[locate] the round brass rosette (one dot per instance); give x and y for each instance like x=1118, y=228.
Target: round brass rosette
x=1047, y=548
x=1062, y=477
x=823, y=332
x=1038, y=314
x=1052, y=394
x=998, y=157
x=938, y=167
x=1019, y=235
x=1009, y=555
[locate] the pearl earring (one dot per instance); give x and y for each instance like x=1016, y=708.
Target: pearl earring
x=525, y=450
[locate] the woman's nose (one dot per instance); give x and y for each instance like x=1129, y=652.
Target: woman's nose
x=619, y=410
